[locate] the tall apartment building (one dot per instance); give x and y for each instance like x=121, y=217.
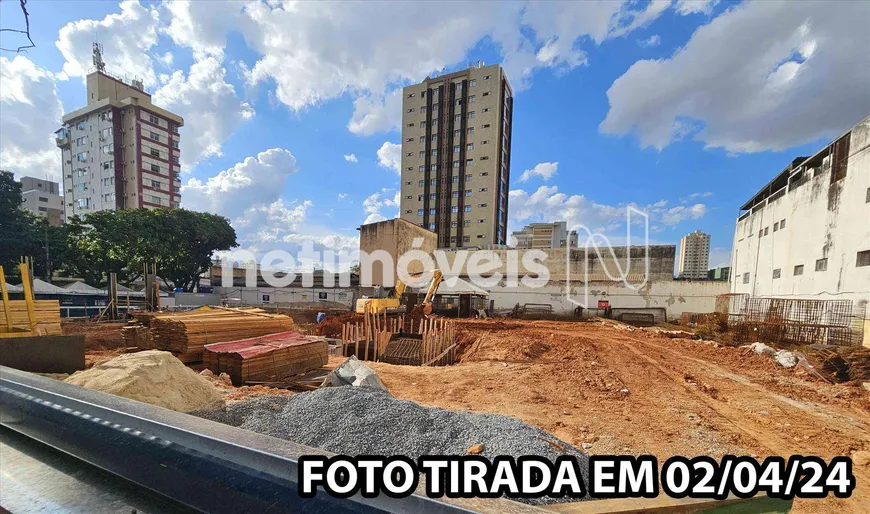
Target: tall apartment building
x=456, y=151
x=806, y=233
x=43, y=198
x=120, y=151
x=546, y=235
x=694, y=255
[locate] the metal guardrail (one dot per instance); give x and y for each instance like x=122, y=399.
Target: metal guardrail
x=195, y=462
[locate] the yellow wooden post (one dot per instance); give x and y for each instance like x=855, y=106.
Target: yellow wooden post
x=28, y=295
x=6, y=309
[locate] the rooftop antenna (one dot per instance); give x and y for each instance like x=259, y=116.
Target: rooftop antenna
x=98, y=58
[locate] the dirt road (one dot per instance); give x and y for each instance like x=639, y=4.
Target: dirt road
x=609, y=390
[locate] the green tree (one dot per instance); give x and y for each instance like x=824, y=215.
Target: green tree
x=180, y=242
x=16, y=224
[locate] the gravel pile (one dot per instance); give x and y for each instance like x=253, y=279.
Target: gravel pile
x=362, y=420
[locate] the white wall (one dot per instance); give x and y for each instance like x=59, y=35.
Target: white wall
x=822, y=220
x=675, y=296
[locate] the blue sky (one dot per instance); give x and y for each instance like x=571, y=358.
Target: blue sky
x=681, y=108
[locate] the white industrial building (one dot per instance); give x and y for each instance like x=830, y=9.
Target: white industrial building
x=806, y=234
x=694, y=256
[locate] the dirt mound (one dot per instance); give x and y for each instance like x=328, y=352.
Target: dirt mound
x=331, y=325
x=153, y=377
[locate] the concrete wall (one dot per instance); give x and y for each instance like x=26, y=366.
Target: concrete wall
x=675, y=297
x=287, y=295
x=822, y=220
x=395, y=237
x=632, y=259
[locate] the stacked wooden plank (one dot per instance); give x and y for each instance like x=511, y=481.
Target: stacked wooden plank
x=186, y=333
x=268, y=358
x=47, y=314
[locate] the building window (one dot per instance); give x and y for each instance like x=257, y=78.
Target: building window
x=760, y=232
x=433, y=167
x=154, y=135
x=867, y=200
x=466, y=223
x=411, y=139
x=766, y=230
x=863, y=259
x=43, y=199
x=776, y=226
x=109, y=181
x=82, y=157
x=175, y=144
x=109, y=165
x=410, y=109
x=471, y=99
x=484, y=190
x=419, y=198
x=458, y=102
x=468, y=177
x=746, y=278
x=155, y=184
x=469, y=162
x=433, y=182
x=485, y=173
x=481, y=220
x=455, y=148
x=452, y=239
x=454, y=209
x=83, y=202
x=422, y=169
x=431, y=226
x=481, y=236
x=486, y=94
x=468, y=192
x=469, y=147
x=43, y=209
x=419, y=212
x=822, y=264
x=155, y=168
x=457, y=118
x=777, y=273
x=434, y=153
x=434, y=138
x=422, y=183
x=467, y=208
x=472, y=83
x=482, y=205
x=154, y=199
x=455, y=194
x=433, y=196
x=471, y=115
x=456, y=164
x=470, y=131
x=466, y=239
x=455, y=179
x=798, y=270
x=782, y=224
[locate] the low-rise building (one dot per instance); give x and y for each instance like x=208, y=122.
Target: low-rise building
x=43, y=198
x=546, y=235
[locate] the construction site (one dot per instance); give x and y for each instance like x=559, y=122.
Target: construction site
x=771, y=378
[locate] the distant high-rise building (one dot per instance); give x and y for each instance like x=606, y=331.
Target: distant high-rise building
x=42, y=197
x=456, y=151
x=694, y=255
x=120, y=151
x=546, y=235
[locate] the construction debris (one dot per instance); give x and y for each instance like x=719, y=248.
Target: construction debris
x=46, y=312
x=267, y=358
x=365, y=420
x=352, y=372
x=153, y=377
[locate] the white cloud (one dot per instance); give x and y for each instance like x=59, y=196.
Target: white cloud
x=548, y=204
x=317, y=51
x=127, y=38
x=686, y=7
x=342, y=196
x=374, y=115
x=252, y=183
x=651, y=41
x=31, y=112
x=166, y=59
x=693, y=196
x=375, y=202
x=545, y=170
x=210, y=108
x=351, y=158
x=390, y=156
x=761, y=76
x=203, y=26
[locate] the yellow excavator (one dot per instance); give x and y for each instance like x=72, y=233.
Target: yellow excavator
x=391, y=304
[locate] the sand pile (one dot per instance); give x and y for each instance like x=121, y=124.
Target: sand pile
x=153, y=377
